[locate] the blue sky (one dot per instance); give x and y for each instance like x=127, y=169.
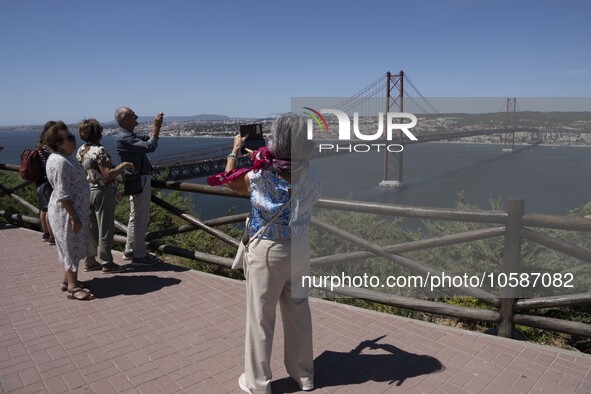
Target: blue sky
x=74, y=59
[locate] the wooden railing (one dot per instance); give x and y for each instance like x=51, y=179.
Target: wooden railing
x=513, y=225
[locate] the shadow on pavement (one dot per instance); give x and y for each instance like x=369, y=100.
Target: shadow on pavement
x=114, y=285
x=392, y=365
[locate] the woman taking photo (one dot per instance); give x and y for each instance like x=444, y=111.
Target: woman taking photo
x=68, y=210
x=283, y=190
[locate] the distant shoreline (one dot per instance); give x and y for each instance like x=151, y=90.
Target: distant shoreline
x=332, y=140
x=500, y=143
x=468, y=142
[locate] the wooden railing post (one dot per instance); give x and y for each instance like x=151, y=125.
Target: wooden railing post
x=511, y=264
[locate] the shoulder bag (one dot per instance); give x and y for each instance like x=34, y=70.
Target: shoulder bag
x=245, y=241
x=132, y=182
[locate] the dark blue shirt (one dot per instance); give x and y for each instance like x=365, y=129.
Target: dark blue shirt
x=133, y=148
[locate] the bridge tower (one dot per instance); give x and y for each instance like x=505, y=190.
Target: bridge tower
x=510, y=125
x=393, y=162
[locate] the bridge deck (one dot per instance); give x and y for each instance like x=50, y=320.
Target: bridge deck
x=168, y=330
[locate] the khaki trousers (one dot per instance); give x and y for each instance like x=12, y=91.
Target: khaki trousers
x=102, y=206
x=273, y=275
x=139, y=218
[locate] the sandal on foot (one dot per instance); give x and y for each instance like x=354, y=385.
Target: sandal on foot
x=81, y=285
x=80, y=294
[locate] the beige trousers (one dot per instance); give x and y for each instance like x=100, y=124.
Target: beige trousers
x=139, y=218
x=273, y=275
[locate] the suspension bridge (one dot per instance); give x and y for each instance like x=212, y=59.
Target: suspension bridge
x=389, y=93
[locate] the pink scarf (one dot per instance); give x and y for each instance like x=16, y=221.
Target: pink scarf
x=263, y=159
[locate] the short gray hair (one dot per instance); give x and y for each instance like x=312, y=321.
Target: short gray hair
x=120, y=114
x=289, y=138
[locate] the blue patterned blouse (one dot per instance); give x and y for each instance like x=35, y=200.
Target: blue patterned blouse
x=269, y=194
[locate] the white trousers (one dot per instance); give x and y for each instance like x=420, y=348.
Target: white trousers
x=273, y=274
x=139, y=217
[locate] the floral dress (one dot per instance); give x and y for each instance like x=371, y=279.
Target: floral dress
x=68, y=180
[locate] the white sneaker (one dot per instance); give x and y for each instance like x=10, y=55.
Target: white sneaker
x=242, y=384
x=308, y=387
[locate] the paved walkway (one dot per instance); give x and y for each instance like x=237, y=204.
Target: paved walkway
x=168, y=330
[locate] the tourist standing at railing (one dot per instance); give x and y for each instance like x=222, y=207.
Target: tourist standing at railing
x=133, y=148
x=68, y=210
x=43, y=187
x=101, y=175
x=283, y=190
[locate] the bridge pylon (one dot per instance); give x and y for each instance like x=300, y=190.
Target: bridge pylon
x=394, y=162
x=510, y=125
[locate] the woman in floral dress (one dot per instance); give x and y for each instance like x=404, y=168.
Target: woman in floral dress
x=69, y=213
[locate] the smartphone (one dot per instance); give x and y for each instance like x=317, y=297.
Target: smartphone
x=254, y=136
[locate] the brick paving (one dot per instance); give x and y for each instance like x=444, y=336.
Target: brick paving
x=169, y=330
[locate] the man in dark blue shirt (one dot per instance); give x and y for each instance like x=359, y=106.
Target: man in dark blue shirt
x=133, y=148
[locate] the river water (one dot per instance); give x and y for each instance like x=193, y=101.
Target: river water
x=551, y=179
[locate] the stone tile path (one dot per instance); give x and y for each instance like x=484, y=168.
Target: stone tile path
x=169, y=330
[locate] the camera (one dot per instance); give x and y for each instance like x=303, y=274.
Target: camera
x=254, y=136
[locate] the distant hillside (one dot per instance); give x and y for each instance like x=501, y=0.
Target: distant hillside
x=141, y=119
x=202, y=117
x=206, y=117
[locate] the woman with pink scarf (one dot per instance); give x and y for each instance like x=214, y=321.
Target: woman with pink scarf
x=283, y=190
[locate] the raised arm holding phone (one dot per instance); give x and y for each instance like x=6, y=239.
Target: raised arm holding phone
x=133, y=148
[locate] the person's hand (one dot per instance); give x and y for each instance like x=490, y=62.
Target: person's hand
x=250, y=153
x=75, y=225
x=238, y=144
x=158, y=120
x=125, y=165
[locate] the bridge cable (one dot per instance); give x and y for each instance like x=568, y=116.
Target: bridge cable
x=420, y=94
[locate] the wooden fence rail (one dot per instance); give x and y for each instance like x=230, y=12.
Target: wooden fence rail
x=513, y=230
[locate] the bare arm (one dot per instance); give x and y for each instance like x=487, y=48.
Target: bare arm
x=157, y=125
x=109, y=173
x=74, y=219
x=239, y=185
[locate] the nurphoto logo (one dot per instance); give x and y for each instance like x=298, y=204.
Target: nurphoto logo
x=344, y=132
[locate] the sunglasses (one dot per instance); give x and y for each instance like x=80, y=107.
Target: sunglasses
x=70, y=138
x=133, y=115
